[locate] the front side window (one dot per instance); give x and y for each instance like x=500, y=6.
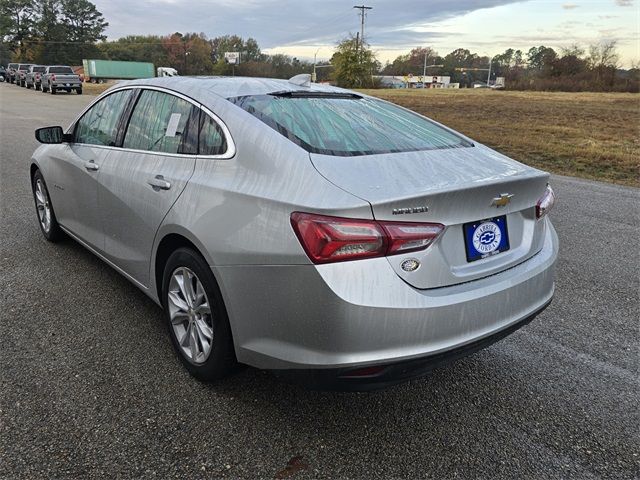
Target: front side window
x=160, y=122
x=347, y=124
x=99, y=125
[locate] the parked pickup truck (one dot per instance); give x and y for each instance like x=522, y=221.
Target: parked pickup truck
x=33, y=78
x=21, y=73
x=60, y=77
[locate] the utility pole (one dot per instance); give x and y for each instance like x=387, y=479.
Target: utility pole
x=362, y=9
x=489, y=75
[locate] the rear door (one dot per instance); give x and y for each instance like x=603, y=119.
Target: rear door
x=141, y=181
x=77, y=167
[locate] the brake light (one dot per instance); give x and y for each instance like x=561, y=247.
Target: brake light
x=333, y=239
x=545, y=203
x=53, y=77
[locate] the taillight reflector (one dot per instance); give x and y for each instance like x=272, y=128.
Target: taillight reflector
x=328, y=239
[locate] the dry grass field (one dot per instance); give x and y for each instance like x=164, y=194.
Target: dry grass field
x=590, y=135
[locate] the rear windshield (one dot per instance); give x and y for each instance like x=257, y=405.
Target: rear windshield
x=61, y=70
x=39, y=69
x=24, y=67
x=347, y=125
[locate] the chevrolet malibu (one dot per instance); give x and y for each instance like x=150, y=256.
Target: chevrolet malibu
x=314, y=231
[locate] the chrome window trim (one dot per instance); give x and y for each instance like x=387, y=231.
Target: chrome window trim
x=231, y=146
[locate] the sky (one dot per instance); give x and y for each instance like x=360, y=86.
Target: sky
x=306, y=28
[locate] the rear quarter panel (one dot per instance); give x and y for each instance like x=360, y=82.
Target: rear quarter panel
x=239, y=209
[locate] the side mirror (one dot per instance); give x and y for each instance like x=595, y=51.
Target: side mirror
x=52, y=135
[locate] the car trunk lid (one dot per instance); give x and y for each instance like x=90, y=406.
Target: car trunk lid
x=453, y=187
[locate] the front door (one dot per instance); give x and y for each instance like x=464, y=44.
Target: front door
x=74, y=189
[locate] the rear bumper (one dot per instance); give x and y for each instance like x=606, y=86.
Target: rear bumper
x=66, y=85
x=354, y=314
x=350, y=379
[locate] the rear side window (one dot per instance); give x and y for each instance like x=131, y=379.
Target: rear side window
x=61, y=70
x=212, y=141
x=347, y=124
x=161, y=122
x=99, y=125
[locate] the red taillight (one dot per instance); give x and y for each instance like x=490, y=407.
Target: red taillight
x=82, y=78
x=545, y=202
x=37, y=76
x=409, y=237
x=333, y=239
x=53, y=77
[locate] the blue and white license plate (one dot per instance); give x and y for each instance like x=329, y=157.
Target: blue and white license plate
x=485, y=238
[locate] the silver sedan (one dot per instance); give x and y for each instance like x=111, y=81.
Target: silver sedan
x=310, y=230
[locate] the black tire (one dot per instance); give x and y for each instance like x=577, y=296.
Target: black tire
x=79, y=91
x=43, y=89
x=53, y=90
x=54, y=233
x=221, y=361
x=28, y=85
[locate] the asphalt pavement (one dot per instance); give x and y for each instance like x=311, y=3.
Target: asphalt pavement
x=90, y=386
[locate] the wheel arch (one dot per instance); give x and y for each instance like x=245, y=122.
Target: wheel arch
x=169, y=242
x=32, y=170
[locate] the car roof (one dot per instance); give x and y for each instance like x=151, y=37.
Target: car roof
x=228, y=87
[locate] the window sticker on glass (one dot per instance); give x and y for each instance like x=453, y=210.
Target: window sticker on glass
x=172, y=127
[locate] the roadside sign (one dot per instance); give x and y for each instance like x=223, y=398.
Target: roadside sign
x=232, y=57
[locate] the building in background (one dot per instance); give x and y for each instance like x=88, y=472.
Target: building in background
x=416, y=81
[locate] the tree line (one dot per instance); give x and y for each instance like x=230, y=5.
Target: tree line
x=50, y=31
x=66, y=31
x=539, y=68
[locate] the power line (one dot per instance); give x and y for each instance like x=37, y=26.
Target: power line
x=362, y=9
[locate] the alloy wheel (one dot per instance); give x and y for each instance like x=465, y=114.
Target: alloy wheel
x=190, y=315
x=43, y=206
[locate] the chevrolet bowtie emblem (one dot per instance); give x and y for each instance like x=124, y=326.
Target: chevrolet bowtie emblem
x=502, y=201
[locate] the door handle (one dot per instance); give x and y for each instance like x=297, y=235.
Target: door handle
x=158, y=182
x=91, y=165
